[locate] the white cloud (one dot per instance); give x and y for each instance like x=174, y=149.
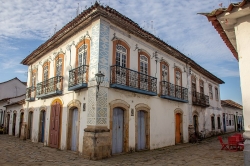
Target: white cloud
x=176, y=23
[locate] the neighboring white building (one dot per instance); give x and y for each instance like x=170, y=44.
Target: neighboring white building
x=232, y=116
x=149, y=97
x=10, y=91
x=14, y=115
x=233, y=25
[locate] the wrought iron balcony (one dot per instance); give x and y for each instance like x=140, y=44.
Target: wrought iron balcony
x=30, y=93
x=78, y=78
x=200, y=99
x=50, y=87
x=173, y=92
x=130, y=80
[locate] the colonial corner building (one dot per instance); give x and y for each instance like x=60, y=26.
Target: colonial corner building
x=102, y=86
x=232, y=24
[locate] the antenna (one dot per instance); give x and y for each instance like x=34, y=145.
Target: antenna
x=55, y=29
x=77, y=10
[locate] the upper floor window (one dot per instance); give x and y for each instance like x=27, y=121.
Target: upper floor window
x=202, y=86
x=143, y=64
x=193, y=79
x=178, y=78
x=210, y=91
x=216, y=93
x=164, y=72
x=46, y=71
x=33, y=78
x=59, y=65
x=121, y=56
x=82, y=53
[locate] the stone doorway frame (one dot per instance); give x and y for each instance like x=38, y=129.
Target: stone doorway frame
x=125, y=107
x=71, y=106
x=146, y=109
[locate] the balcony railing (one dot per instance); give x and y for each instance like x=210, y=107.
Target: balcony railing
x=78, y=78
x=173, y=92
x=30, y=93
x=130, y=80
x=50, y=87
x=200, y=99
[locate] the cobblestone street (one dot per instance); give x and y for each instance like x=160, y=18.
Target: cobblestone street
x=14, y=151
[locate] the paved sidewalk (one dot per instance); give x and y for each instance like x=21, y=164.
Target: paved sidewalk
x=14, y=151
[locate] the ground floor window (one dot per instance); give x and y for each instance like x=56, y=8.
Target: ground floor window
x=218, y=121
x=212, y=122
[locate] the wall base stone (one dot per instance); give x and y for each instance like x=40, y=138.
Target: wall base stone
x=96, y=143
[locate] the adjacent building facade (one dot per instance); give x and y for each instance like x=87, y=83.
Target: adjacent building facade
x=12, y=95
x=232, y=24
x=232, y=116
x=151, y=95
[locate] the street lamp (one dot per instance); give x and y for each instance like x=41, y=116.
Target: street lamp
x=99, y=77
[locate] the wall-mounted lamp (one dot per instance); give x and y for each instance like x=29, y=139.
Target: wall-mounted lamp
x=99, y=77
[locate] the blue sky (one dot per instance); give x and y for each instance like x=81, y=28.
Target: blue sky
x=25, y=26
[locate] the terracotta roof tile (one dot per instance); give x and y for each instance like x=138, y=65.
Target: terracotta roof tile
x=212, y=17
x=231, y=104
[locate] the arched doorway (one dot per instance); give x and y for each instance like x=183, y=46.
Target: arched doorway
x=20, y=123
x=55, y=124
x=42, y=126
x=117, y=130
x=14, y=124
x=8, y=123
x=30, y=123
x=196, y=125
x=178, y=128
x=73, y=128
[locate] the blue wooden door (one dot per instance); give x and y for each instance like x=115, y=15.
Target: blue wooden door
x=43, y=113
x=117, y=131
x=141, y=132
x=74, y=127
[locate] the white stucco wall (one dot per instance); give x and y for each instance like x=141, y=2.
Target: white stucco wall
x=242, y=32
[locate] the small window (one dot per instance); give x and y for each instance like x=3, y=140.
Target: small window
x=226, y=119
x=46, y=72
x=178, y=79
x=201, y=86
x=218, y=122
x=210, y=91
x=216, y=94
x=229, y=120
x=164, y=71
x=212, y=122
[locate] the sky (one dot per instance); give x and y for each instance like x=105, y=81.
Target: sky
x=25, y=25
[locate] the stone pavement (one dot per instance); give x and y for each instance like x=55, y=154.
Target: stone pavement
x=14, y=151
